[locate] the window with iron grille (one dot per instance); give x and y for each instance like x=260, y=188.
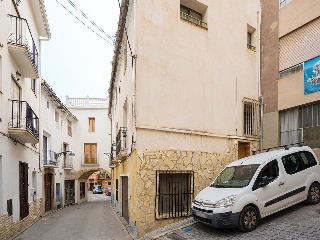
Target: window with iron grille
x=33, y=85
x=9, y=207
x=174, y=193
x=251, y=115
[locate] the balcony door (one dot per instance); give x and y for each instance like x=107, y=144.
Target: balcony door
x=16, y=106
x=90, y=153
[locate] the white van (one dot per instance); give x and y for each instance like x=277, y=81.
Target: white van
x=257, y=186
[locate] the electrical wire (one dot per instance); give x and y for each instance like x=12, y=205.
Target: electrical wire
x=112, y=44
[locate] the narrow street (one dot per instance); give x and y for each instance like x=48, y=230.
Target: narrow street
x=92, y=220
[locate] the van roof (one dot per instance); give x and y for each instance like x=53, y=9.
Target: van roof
x=262, y=157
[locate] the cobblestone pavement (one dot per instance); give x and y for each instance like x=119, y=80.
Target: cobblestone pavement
x=92, y=220
x=298, y=222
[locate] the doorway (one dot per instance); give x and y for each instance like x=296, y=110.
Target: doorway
x=69, y=192
x=48, y=191
x=243, y=149
x=125, y=203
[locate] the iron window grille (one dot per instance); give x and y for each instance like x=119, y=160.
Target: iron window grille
x=121, y=140
x=192, y=16
x=174, y=193
x=251, y=115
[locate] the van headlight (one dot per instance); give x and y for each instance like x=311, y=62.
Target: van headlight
x=226, y=202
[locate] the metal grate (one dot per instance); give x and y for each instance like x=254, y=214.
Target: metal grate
x=251, y=119
x=174, y=193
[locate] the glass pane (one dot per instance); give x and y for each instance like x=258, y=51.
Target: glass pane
x=300, y=118
x=305, y=117
x=309, y=115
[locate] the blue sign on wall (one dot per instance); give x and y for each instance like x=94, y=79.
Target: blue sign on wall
x=311, y=70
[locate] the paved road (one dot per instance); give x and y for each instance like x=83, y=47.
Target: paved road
x=92, y=220
x=298, y=222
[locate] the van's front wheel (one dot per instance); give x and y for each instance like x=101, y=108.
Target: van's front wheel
x=313, y=194
x=249, y=218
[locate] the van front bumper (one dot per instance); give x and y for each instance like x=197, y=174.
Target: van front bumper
x=218, y=220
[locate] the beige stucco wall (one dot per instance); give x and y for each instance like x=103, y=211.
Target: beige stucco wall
x=306, y=10
x=189, y=77
x=294, y=96
x=270, y=130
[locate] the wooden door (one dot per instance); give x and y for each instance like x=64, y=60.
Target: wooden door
x=23, y=189
x=125, y=203
x=243, y=149
x=48, y=191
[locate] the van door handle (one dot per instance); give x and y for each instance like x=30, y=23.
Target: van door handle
x=281, y=183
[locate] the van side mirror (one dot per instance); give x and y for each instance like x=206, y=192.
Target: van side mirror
x=265, y=181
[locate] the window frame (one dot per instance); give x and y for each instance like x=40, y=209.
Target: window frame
x=92, y=124
x=178, y=203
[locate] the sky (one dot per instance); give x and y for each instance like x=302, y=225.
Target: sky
x=75, y=61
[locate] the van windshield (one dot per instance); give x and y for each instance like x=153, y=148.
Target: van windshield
x=235, y=176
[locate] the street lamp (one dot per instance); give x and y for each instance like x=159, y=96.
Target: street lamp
x=69, y=152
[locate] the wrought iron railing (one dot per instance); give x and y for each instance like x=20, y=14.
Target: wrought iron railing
x=121, y=143
x=192, y=19
x=89, y=158
x=22, y=116
x=68, y=161
x=49, y=160
x=20, y=34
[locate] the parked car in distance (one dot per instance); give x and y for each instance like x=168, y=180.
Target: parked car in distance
x=108, y=191
x=257, y=186
x=97, y=189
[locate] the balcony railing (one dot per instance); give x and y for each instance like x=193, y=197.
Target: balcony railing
x=68, y=162
x=20, y=36
x=90, y=159
x=24, y=123
x=49, y=159
x=121, y=143
x=193, y=20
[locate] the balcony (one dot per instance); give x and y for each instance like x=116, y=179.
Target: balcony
x=22, y=47
x=24, y=124
x=49, y=160
x=68, y=162
x=121, y=144
x=90, y=159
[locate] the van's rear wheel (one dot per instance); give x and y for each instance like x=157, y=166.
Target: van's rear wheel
x=249, y=218
x=314, y=194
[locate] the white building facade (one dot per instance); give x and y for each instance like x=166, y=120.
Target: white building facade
x=23, y=24
x=91, y=140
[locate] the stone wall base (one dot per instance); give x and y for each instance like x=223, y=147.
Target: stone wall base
x=8, y=228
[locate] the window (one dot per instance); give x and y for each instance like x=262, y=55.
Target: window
x=192, y=16
x=91, y=124
x=307, y=159
x=283, y=3
x=69, y=128
x=251, y=118
x=56, y=116
x=292, y=163
x=33, y=85
x=301, y=124
x=90, y=153
x=251, y=31
x=290, y=71
x=271, y=170
x=174, y=193
x=125, y=57
x=9, y=207
x=48, y=105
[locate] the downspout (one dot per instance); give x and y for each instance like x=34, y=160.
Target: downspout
x=259, y=77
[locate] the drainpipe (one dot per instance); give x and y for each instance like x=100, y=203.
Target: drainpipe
x=259, y=76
